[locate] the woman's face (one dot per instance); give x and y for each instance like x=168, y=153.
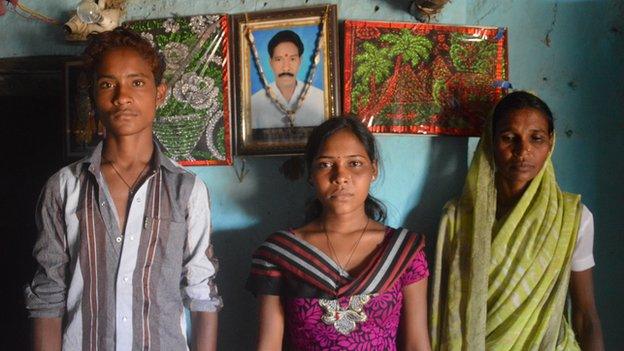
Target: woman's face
x=342, y=173
x=521, y=146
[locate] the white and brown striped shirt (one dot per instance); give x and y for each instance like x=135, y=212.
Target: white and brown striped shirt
x=123, y=291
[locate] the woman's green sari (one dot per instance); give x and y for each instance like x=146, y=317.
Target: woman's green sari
x=502, y=285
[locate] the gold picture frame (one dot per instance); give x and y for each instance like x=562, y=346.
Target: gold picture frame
x=263, y=127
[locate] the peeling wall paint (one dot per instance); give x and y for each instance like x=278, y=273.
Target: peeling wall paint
x=552, y=25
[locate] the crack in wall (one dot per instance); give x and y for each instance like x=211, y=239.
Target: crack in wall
x=552, y=25
x=493, y=8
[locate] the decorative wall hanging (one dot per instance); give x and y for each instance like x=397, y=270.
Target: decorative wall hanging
x=424, y=10
x=286, y=77
x=93, y=17
x=423, y=78
x=82, y=132
x=193, y=125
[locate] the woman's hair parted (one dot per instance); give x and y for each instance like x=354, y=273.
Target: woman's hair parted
x=121, y=37
x=374, y=208
x=519, y=100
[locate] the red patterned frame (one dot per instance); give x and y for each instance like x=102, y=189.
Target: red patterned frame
x=224, y=25
x=498, y=82
x=227, y=120
x=225, y=70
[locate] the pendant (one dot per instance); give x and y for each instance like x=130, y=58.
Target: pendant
x=286, y=120
x=343, y=273
x=289, y=119
x=344, y=319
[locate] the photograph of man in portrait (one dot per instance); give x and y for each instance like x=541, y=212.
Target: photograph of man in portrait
x=286, y=56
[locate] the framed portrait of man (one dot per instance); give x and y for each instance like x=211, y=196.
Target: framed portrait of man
x=286, y=75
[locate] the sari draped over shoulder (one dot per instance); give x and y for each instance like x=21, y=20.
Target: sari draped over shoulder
x=502, y=284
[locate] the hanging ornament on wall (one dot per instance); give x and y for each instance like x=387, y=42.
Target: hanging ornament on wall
x=93, y=17
x=424, y=10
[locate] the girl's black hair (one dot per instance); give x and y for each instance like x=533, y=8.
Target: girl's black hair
x=520, y=100
x=373, y=207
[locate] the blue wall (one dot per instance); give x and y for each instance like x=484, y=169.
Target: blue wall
x=577, y=73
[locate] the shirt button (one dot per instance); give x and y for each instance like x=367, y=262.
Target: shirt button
x=103, y=203
x=125, y=279
x=125, y=319
x=139, y=200
x=132, y=237
x=118, y=239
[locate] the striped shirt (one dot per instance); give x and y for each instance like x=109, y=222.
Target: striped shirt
x=123, y=291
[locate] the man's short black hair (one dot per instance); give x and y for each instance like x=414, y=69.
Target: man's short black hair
x=285, y=36
x=122, y=37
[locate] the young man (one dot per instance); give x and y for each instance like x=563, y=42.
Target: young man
x=124, y=234
x=285, y=50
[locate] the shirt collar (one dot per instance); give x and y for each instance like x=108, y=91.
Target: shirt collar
x=159, y=159
x=298, y=87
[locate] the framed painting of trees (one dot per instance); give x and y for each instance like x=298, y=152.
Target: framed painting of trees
x=423, y=78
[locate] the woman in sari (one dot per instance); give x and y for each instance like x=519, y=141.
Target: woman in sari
x=344, y=280
x=513, y=246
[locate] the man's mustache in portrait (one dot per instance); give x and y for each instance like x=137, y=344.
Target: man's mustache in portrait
x=284, y=74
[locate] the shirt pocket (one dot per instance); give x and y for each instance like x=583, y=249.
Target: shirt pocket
x=170, y=243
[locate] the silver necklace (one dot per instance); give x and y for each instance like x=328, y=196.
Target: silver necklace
x=343, y=269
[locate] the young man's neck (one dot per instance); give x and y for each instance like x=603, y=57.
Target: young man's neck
x=128, y=150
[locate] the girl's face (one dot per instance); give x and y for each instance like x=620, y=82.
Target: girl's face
x=522, y=143
x=342, y=173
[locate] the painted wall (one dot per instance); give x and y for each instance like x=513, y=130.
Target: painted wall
x=575, y=73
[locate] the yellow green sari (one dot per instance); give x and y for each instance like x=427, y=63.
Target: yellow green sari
x=502, y=284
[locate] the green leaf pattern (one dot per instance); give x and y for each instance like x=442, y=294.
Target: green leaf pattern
x=190, y=123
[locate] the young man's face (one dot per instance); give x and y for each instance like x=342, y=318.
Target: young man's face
x=285, y=63
x=125, y=93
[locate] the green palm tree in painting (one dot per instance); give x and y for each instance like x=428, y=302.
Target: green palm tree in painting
x=378, y=67
x=408, y=46
x=478, y=56
x=374, y=66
